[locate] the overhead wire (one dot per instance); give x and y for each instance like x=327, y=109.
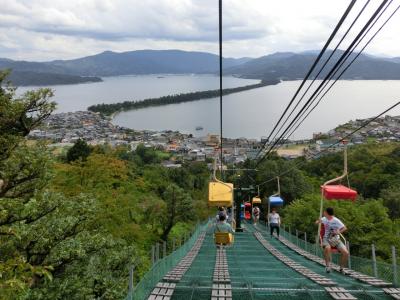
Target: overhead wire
x=321, y=69
x=220, y=81
x=338, y=64
x=331, y=37
x=358, y=54
x=349, y=54
x=343, y=56
x=365, y=124
x=341, y=73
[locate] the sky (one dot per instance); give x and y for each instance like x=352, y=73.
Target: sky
x=43, y=30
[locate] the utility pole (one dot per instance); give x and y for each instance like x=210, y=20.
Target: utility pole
x=239, y=194
x=238, y=201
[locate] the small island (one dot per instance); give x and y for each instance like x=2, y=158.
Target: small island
x=110, y=109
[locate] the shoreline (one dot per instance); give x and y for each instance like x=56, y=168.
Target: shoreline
x=110, y=110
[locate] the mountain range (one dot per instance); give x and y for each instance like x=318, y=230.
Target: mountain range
x=292, y=66
x=280, y=65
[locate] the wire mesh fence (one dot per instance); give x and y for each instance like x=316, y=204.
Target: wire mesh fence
x=162, y=266
x=255, y=274
x=385, y=271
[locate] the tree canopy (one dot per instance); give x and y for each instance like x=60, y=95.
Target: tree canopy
x=70, y=226
x=69, y=230
x=80, y=150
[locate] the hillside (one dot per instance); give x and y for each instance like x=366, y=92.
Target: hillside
x=292, y=66
x=280, y=65
x=26, y=78
x=110, y=63
x=75, y=221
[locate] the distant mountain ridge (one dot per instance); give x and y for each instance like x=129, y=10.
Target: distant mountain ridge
x=26, y=78
x=280, y=65
x=292, y=66
x=110, y=63
x=140, y=62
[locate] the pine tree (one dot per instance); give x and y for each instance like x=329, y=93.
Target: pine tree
x=79, y=151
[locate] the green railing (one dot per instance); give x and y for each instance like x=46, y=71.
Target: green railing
x=162, y=266
x=382, y=270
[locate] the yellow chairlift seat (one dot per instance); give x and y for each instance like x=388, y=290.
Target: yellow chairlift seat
x=220, y=194
x=223, y=238
x=256, y=200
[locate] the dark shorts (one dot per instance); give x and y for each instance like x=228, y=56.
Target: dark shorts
x=274, y=226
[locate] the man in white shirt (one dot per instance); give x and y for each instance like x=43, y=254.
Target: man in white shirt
x=274, y=221
x=331, y=238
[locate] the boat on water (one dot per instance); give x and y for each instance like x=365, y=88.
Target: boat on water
x=199, y=128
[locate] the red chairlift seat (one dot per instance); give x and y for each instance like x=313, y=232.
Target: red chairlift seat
x=247, y=211
x=331, y=191
x=338, y=191
x=335, y=192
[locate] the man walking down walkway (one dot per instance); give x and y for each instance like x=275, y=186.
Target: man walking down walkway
x=274, y=221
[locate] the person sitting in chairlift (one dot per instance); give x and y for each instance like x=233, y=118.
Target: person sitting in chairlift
x=221, y=211
x=333, y=229
x=223, y=226
x=256, y=214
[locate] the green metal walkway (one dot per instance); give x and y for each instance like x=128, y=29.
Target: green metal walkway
x=255, y=273
x=355, y=287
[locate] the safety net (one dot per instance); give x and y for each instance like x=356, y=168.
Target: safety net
x=363, y=265
x=255, y=273
x=162, y=266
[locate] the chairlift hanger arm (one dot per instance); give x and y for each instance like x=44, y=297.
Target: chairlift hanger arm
x=345, y=170
x=365, y=124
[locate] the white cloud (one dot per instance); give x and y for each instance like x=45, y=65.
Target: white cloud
x=53, y=29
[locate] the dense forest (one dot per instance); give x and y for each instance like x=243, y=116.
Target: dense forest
x=374, y=173
x=109, y=109
x=72, y=221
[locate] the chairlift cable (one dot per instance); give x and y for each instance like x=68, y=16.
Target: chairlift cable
x=365, y=124
x=220, y=81
x=322, y=68
x=341, y=21
x=340, y=75
x=344, y=61
x=325, y=79
x=344, y=56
